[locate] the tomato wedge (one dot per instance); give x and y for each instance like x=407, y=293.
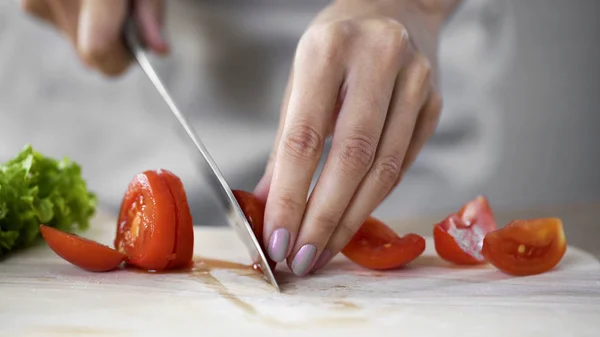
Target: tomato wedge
x=376, y=246
x=254, y=209
x=154, y=225
x=459, y=237
x=85, y=254
x=526, y=247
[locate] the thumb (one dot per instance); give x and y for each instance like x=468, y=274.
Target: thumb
x=262, y=188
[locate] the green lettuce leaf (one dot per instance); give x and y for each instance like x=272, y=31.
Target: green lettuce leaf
x=35, y=190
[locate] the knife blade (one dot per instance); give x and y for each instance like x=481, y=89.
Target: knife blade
x=210, y=170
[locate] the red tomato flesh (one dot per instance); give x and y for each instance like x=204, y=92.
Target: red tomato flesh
x=83, y=253
x=526, y=247
x=376, y=246
x=459, y=237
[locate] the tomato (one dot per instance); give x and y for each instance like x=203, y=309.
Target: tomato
x=154, y=230
x=154, y=222
x=459, y=237
x=526, y=247
x=184, y=240
x=376, y=246
x=83, y=253
x=254, y=209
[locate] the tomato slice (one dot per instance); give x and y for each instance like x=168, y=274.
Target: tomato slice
x=147, y=225
x=85, y=254
x=459, y=237
x=184, y=240
x=526, y=247
x=254, y=209
x=376, y=246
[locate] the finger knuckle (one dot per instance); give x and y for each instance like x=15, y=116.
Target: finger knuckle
x=421, y=67
x=326, y=41
x=357, y=152
x=303, y=141
x=393, y=36
x=326, y=222
x=92, y=54
x=431, y=114
x=114, y=69
x=337, y=33
x=387, y=170
x=99, y=48
x=418, y=77
x=436, y=103
x=288, y=204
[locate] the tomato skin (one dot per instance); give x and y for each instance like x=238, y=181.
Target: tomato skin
x=254, y=209
x=526, y=247
x=459, y=237
x=146, y=230
x=376, y=246
x=83, y=253
x=184, y=240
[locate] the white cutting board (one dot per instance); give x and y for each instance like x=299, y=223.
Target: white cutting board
x=42, y=295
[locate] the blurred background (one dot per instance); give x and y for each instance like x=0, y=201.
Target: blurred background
x=543, y=101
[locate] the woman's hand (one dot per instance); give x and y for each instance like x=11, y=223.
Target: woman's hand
x=94, y=28
x=364, y=72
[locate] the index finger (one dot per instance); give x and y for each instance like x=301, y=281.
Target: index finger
x=315, y=89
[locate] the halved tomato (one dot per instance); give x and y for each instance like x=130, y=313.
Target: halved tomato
x=376, y=246
x=526, y=247
x=83, y=253
x=154, y=230
x=154, y=223
x=254, y=209
x=459, y=237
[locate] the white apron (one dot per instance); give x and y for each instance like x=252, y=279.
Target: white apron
x=227, y=72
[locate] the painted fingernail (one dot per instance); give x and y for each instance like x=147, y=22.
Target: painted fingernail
x=278, y=245
x=322, y=260
x=303, y=259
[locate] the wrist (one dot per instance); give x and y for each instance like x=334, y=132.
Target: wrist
x=434, y=12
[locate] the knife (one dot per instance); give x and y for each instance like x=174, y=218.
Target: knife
x=211, y=172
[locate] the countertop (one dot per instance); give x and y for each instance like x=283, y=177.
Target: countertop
x=43, y=295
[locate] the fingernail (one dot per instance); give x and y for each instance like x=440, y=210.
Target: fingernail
x=322, y=260
x=278, y=245
x=303, y=259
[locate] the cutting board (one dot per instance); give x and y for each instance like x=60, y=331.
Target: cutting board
x=42, y=295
